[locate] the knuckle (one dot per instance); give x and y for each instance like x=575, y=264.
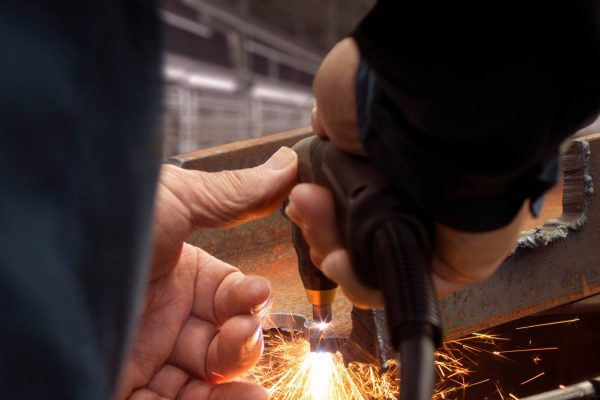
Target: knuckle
x=229, y=196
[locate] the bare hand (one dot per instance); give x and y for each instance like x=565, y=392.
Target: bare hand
x=201, y=322
x=459, y=257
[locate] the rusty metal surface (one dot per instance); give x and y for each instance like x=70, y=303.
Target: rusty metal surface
x=261, y=242
x=236, y=155
x=369, y=340
x=585, y=306
x=532, y=280
x=553, y=265
x=262, y=247
x=552, y=207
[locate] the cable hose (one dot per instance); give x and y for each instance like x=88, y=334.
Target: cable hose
x=587, y=390
x=400, y=248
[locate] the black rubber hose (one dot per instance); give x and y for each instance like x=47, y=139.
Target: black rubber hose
x=417, y=374
x=588, y=390
x=401, y=251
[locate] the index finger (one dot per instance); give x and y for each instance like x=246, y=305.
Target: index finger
x=221, y=291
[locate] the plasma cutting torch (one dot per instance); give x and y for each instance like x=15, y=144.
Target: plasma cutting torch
x=390, y=250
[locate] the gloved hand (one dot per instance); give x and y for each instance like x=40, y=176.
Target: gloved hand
x=201, y=321
x=459, y=257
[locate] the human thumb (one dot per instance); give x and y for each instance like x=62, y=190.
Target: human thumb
x=227, y=198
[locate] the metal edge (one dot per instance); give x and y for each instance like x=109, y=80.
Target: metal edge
x=538, y=278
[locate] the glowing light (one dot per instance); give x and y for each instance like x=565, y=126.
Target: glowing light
x=277, y=93
x=499, y=391
x=564, y=322
x=498, y=353
x=202, y=80
x=531, y=379
x=322, y=325
x=289, y=371
x=320, y=370
x=175, y=73
x=213, y=82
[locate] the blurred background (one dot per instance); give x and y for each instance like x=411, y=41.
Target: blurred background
x=238, y=69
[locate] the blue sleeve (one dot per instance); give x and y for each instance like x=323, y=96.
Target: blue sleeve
x=79, y=158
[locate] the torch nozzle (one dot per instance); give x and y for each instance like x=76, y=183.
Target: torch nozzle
x=322, y=313
x=315, y=334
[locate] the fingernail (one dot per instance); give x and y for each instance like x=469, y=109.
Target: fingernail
x=281, y=159
x=288, y=211
x=262, y=309
x=292, y=214
x=253, y=340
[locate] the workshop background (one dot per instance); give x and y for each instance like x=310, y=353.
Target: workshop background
x=238, y=69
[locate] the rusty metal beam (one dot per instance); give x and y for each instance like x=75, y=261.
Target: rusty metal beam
x=236, y=155
x=262, y=247
x=554, y=265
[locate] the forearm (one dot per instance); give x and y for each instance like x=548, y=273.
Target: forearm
x=461, y=258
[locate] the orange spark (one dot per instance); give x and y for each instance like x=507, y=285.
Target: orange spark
x=497, y=353
x=531, y=379
x=566, y=321
x=499, y=391
x=289, y=371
